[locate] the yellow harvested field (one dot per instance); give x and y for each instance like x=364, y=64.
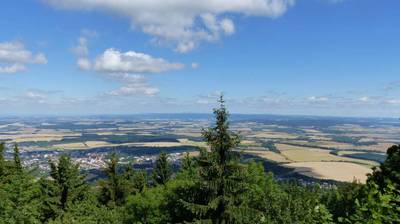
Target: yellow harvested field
x=189, y=134
x=185, y=141
x=307, y=154
x=274, y=135
x=268, y=155
x=248, y=142
x=339, y=171
x=38, y=139
x=382, y=147
x=93, y=144
x=156, y=144
x=75, y=145
x=191, y=154
x=35, y=137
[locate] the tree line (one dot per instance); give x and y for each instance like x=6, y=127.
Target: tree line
x=215, y=187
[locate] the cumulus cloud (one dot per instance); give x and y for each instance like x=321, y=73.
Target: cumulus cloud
x=126, y=67
x=180, y=22
x=14, y=57
x=114, y=61
x=133, y=85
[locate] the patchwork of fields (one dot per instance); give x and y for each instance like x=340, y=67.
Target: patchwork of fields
x=340, y=149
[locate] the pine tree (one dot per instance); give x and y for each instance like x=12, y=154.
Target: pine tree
x=17, y=159
x=162, y=170
x=66, y=187
x=187, y=162
x=136, y=180
x=221, y=175
x=112, y=189
x=2, y=161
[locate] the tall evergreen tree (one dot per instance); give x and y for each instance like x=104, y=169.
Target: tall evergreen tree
x=136, y=180
x=17, y=159
x=2, y=161
x=112, y=189
x=66, y=187
x=221, y=175
x=162, y=170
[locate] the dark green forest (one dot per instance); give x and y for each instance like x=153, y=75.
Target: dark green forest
x=215, y=187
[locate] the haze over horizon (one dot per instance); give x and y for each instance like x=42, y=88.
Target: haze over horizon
x=293, y=57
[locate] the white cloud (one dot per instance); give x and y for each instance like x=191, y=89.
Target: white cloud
x=393, y=101
x=81, y=48
x=14, y=57
x=227, y=26
x=35, y=96
x=364, y=99
x=11, y=69
x=124, y=67
x=84, y=63
x=114, y=61
x=317, y=99
x=183, y=23
x=134, y=85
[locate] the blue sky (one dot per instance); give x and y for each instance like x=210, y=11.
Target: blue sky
x=314, y=57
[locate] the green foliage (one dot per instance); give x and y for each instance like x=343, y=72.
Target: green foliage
x=221, y=176
x=380, y=197
x=340, y=200
x=136, y=180
x=379, y=206
x=112, y=191
x=88, y=211
x=19, y=193
x=388, y=172
x=119, y=185
x=66, y=187
x=270, y=145
x=17, y=159
x=2, y=160
x=147, y=207
x=162, y=170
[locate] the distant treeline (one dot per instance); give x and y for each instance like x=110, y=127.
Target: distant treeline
x=215, y=187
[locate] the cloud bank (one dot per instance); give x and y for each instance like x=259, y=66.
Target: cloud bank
x=181, y=23
x=14, y=57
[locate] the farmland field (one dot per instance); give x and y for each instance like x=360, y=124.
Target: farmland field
x=324, y=148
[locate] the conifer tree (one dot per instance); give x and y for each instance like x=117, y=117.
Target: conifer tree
x=136, y=180
x=2, y=161
x=17, y=159
x=112, y=189
x=221, y=175
x=162, y=170
x=66, y=187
